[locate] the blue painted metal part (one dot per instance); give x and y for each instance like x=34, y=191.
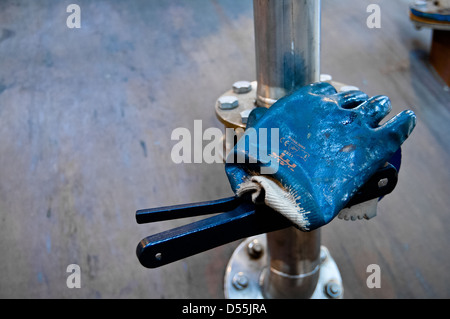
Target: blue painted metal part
x=443, y=16
x=330, y=145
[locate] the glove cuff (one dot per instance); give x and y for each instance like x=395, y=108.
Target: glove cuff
x=286, y=202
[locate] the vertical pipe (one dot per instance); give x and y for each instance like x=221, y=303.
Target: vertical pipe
x=287, y=41
x=294, y=264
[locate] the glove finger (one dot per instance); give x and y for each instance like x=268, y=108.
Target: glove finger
x=351, y=99
x=375, y=109
x=397, y=129
x=255, y=115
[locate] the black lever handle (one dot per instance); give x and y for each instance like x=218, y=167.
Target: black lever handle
x=381, y=183
x=172, y=245
x=158, y=214
x=240, y=219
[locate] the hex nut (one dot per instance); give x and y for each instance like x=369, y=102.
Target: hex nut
x=240, y=281
x=347, y=88
x=255, y=249
x=241, y=87
x=325, y=77
x=228, y=102
x=244, y=116
x=333, y=290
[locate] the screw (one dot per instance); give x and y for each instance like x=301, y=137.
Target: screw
x=240, y=281
x=255, y=249
x=382, y=182
x=242, y=87
x=228, y=102
x=333, y=289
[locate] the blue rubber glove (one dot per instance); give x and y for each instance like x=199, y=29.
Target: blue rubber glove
x=328, y=145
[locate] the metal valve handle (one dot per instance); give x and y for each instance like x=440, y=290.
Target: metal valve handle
x=239, y=219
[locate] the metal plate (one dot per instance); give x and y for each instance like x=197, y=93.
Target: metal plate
x=232, y=117
x=244, y=274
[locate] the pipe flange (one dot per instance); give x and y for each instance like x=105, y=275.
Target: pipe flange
x=243, y=267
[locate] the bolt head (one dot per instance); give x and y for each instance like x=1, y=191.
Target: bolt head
x=228, y=102
x=240, y=281
x=244, y=116
x=241, y=87
x=333, y=289
x=325, y=77
x=255, y=249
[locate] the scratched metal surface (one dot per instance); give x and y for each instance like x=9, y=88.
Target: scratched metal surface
x=86, y=118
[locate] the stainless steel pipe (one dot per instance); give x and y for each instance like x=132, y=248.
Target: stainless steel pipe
x=287, y=40
x=294, y=264
x=287, y=43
